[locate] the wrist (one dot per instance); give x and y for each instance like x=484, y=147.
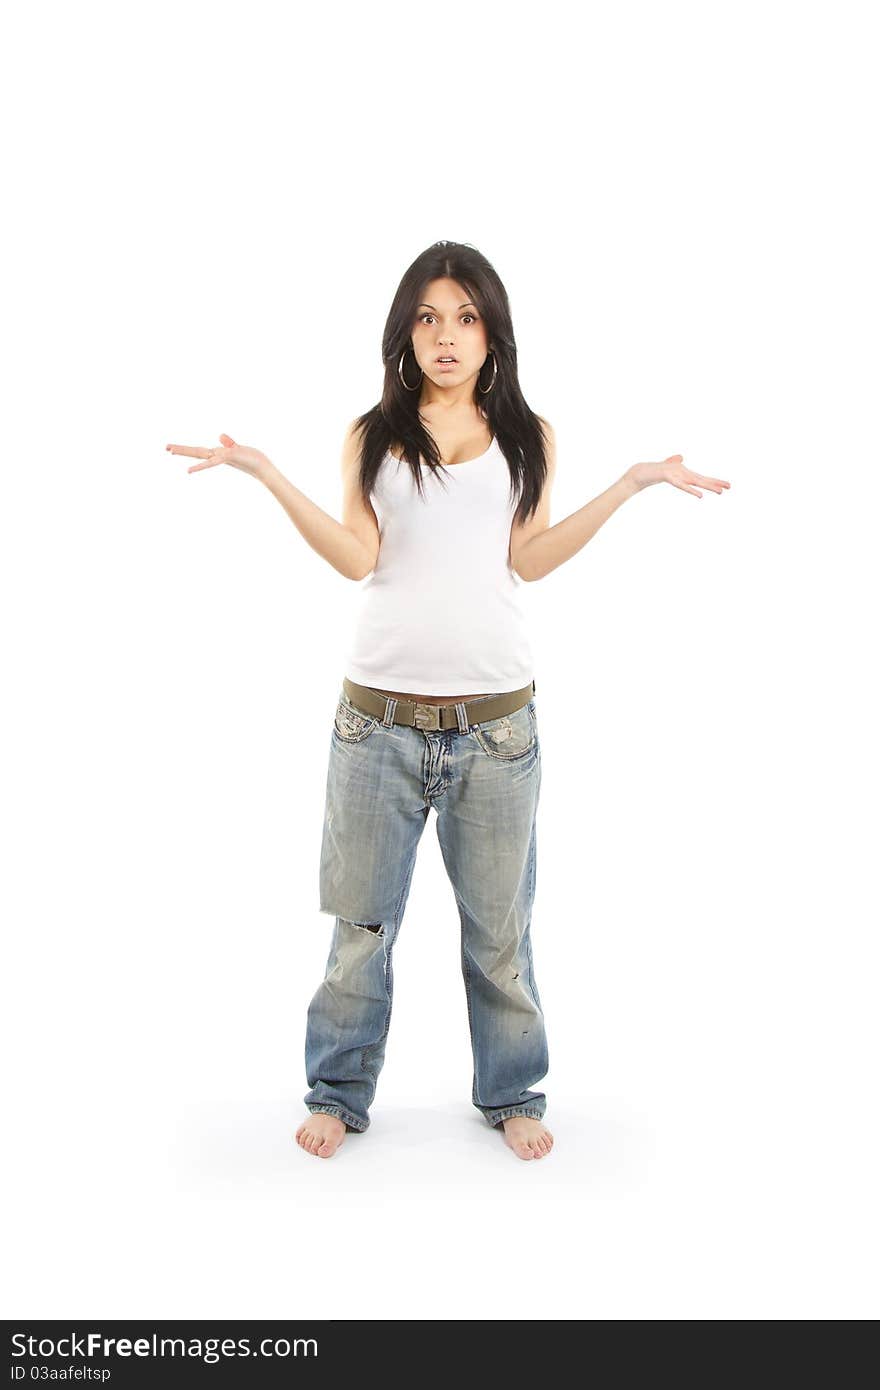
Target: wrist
x=268, y=473
x=630, y=484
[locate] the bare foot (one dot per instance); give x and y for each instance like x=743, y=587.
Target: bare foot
x=320, y=1134
x=527, y=1137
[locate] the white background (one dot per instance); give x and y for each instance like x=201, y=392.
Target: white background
x=208, y=209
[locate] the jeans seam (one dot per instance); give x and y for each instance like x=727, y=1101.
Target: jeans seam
x=467, y=995
x=528, y=932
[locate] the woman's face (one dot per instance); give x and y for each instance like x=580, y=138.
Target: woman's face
x=448, y=324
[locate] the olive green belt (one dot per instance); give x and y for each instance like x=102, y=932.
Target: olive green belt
x=419, y=714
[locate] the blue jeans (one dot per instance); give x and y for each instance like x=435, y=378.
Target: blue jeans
x=483, y=781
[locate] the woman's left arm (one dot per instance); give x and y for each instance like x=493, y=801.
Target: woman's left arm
x=548, y=549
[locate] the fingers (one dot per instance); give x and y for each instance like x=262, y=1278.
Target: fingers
x=211, y=456
x=189, y=450
x=707, y=482
x=713, y=484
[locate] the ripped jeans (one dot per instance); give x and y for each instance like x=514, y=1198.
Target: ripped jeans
x=382, y=781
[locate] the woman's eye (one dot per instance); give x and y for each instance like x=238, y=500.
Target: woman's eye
x=426, y=315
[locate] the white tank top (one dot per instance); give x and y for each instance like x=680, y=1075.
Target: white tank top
x=440, y=613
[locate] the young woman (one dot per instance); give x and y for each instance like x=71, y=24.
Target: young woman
x=446, y=506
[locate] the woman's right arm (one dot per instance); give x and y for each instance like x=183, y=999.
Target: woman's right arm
x=350, y=546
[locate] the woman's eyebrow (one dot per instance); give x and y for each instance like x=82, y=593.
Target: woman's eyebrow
x=461, y=306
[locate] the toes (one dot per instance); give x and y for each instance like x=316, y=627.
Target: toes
x=539, y=1144
x=315, y=1141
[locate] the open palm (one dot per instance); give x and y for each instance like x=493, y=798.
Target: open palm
x=672, y=470
x=241, y=456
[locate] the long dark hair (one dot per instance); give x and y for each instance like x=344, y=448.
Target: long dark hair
x=396, y=419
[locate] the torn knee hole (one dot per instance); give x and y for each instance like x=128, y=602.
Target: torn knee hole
x=366, y=926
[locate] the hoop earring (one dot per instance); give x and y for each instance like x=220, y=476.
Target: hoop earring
x=486, y=389
x=400, y=374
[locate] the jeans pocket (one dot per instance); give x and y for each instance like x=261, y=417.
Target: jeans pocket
x=350, y=724
x=510, y=736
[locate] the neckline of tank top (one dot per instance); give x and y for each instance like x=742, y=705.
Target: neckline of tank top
x=464, y=462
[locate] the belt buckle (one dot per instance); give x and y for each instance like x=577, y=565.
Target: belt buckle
x=426, y=716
